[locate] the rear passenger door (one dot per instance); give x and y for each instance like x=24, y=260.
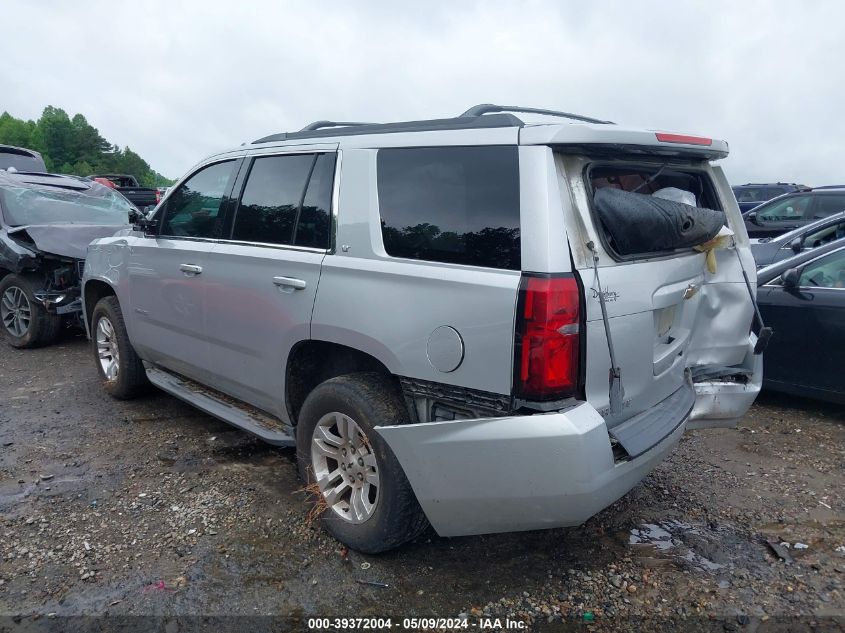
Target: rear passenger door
x=262, y=280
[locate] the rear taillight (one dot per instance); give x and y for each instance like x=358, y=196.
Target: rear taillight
x=547, y=356
x=158, y=196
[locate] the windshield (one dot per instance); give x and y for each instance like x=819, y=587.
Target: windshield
x=26, y=204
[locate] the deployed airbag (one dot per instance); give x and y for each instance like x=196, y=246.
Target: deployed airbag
x=636, y=223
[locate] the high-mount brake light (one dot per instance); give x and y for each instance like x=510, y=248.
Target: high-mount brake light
x=547, y=351
x=668, y=137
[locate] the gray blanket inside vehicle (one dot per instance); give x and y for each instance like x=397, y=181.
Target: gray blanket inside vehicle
x=637, y=223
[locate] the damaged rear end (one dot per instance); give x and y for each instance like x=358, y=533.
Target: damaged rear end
x=633, y=322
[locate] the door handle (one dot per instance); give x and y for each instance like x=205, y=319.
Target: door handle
x=289, y=282
x=190, y=269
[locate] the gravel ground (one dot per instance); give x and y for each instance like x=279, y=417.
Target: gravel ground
x=150, y=507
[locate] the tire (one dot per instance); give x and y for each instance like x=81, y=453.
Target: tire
x=122, y=373
x=24, y=320
x=368, y=399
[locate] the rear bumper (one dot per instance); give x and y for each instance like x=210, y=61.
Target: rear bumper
x=520, y=473
x=721, y=404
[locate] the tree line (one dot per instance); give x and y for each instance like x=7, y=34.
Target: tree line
x=73, y=146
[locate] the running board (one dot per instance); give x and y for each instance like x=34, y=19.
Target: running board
x=252, y=420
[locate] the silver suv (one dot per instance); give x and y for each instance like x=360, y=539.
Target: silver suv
x=442, y=316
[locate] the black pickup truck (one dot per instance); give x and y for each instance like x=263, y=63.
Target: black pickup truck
x=141, y=197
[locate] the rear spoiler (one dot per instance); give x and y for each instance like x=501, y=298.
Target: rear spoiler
x=598, y=139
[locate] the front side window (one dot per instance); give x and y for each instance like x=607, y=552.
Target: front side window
x=792, y=208
x=457, y=205
x=825, y=272
x=195, y=209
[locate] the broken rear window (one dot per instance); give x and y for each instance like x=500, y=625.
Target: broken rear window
x=644, y=210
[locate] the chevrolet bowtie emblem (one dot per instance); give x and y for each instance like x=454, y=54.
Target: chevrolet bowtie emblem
x=691, y=291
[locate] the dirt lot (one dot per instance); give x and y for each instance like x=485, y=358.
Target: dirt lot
x=152, y=508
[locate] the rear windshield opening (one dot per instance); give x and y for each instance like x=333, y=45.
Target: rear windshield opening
x=653, y=209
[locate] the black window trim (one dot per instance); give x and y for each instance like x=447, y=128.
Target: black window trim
x=240, y=185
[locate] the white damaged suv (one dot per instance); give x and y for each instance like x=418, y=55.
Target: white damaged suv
x=476, y=323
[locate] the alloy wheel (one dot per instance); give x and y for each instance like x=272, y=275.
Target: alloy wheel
x=345, y=467
x=15, y=311
x=107, y=349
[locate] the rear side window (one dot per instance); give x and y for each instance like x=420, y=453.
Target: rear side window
x=828, y=205
x=286, y=201
x=458, y=205
x=195, y=209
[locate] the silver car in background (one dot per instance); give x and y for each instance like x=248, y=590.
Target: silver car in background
x=435, y=314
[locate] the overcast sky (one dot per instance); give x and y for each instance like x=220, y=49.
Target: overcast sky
x=176, y=81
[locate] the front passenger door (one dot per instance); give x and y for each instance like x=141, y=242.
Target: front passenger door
x=809, y=327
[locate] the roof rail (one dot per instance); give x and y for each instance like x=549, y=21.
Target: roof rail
x=490, y=121
x=489, y=108
x=319, y=125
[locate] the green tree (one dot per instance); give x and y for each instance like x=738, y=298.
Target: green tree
x=73, y=146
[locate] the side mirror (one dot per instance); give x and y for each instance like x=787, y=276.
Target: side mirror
x=789, y=278
x=796, y=245
x=144, y=224
x=752, y=217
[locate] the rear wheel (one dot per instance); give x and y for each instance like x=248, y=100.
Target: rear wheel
x=119, y=366
x=26, y=323
x=367, y=501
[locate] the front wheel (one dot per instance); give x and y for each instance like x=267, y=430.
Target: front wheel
x=367, y=501
x=120, y=368
x=26, y=323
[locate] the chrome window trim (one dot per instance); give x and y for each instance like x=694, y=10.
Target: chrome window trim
x=332, y=214
x=288, y=247
x=817, y=288
x=333, y=222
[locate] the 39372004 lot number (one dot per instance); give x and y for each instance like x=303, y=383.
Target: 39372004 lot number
x=334, y=624
x=409, y=624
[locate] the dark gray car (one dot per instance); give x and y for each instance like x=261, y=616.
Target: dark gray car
x=46, y=224
x=769, y=250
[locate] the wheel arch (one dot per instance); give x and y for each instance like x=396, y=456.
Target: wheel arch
x=312, y=362
x=92, y=292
